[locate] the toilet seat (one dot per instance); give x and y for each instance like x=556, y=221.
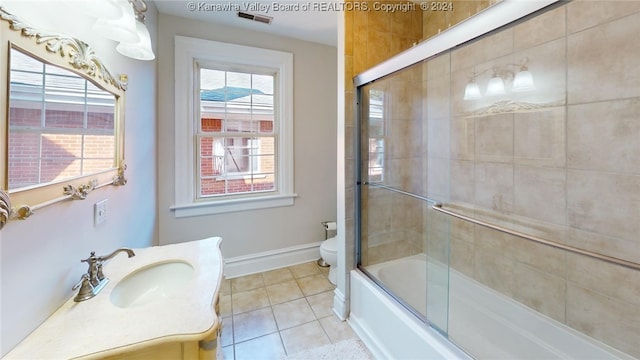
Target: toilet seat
x=330, y=245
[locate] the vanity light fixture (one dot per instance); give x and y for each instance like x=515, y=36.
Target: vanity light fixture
x=120, y=29
x=127, y=28
x=105, y=9
x=140, y=49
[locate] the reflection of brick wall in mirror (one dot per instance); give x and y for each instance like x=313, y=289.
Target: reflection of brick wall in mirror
x=60, y=125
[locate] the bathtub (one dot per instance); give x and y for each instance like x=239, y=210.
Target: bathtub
x=488, y=324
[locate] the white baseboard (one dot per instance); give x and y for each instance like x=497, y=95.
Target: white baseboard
x=269, y=260
x=340, y=306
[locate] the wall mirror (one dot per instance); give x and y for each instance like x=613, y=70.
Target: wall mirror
x=62, y=125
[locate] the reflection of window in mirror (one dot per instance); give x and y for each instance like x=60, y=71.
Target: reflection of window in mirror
x=61, y=125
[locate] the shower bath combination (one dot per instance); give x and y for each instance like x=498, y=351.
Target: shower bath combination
x=476, y=223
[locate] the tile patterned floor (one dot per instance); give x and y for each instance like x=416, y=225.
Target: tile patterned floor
x=283, y=311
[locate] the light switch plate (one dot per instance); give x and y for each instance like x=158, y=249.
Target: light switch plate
x=99, y=212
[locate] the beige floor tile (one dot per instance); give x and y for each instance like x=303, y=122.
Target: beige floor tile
x=293, y=313
x=277, y=276
x=322, y=304
x=248, y=282
x=227, y=352
x=227, y=332
x=306, y=269
x=314, y=284
x=304, y=337
x=324, y=271
x=225, y=287
x=336, y=329
x=283, y=292
x=267, y=347
x=249, y=300
x=225, y=305
x=253, y=324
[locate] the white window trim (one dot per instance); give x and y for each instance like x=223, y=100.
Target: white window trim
x=187, y=52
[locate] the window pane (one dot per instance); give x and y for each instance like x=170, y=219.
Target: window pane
x=25, y=113
x=263, y=83
x=236, y=102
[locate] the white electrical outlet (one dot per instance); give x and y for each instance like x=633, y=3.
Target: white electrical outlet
x=99, y=212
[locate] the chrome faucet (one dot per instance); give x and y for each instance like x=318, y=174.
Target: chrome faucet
x=94, y=280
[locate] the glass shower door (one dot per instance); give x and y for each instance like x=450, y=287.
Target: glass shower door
x=403, y=244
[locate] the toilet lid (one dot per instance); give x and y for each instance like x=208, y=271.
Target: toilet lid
x=330, y=244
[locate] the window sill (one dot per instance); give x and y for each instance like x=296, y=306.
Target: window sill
x=232, y=205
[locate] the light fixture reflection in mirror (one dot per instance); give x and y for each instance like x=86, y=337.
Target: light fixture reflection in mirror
x=495, y=86
x=61, y=125
x=472, y=90
x=522, y=81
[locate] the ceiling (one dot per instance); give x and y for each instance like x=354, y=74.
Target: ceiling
x=314, y=24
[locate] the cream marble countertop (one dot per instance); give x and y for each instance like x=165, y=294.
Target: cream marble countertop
x=96, y=328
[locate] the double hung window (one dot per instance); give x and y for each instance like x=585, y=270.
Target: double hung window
x=234, y=138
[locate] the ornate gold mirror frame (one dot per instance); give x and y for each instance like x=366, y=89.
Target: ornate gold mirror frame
x=78, y=57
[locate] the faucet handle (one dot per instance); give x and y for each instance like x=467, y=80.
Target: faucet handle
x=91, y=259
x=85, y=277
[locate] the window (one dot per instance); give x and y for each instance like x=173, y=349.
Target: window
x=233, y=128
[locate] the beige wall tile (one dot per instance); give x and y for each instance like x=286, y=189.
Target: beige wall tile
x=494, y=270
x=546, y=27
x=604, y=318
x=494, y=186
x=603, y=63
x=438, y=132
x=541, y=291
x=539, y=193
x=604, y=244
x=605, y=203
x=539, y=138
x=494, y=138
x=463, y=138
x=462, y=181
x=541, y=257
x=462, y=255
x=605, y=278
x=483, y=50
x=547, y=64
x=438, y=101
x=584, y=14
x=604, y=136
x=438, y=179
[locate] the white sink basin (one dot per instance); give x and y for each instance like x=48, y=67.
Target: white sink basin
x=152, y=282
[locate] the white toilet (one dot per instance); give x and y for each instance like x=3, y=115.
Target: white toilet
x=329, y=253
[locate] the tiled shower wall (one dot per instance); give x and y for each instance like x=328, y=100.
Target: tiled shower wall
x=567, y=170
x=370, y=38
x=561, y=162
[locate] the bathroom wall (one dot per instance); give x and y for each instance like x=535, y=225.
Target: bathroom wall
x=560, y=162
x=248, y=233
x=40, y=257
